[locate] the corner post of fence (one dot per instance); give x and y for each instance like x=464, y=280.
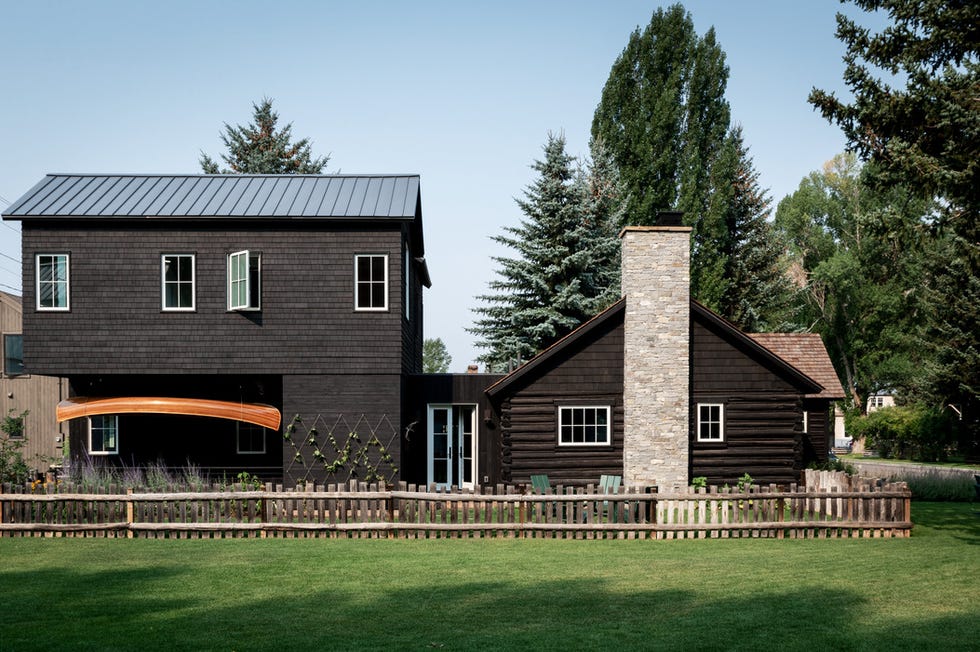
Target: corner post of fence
x=130, y=514
x=265, y=510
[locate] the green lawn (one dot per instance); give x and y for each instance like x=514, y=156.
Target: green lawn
x=255, y=594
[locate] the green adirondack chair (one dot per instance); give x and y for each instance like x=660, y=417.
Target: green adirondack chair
x=540, y=484
x=609, y=484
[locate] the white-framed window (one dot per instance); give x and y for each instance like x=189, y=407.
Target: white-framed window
x=250, y=438
x=177, y=276
x=13, y=354
x=711, y=422
x=52, y=281
x=584, y=425
x=244, y=280
x=407, y=262
x=371, y=282
x=103, y=435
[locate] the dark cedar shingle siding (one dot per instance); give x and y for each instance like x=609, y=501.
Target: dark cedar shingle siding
x=307, y=323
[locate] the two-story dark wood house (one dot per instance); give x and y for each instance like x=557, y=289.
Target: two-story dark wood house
x=301, y=293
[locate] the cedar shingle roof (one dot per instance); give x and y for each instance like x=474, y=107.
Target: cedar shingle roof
x=806, y=352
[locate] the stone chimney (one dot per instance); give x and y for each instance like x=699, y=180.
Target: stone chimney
x=656, y=281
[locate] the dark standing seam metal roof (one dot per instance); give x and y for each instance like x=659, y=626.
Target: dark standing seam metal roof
x=219, y=196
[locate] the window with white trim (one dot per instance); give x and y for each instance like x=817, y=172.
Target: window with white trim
x=177, y=274
x=244, y=280
x=806, y=421
x=371, y=282
x=103, y=435
x=251, y=439
x=586, y=425
x=711, y=422
x=52, y=281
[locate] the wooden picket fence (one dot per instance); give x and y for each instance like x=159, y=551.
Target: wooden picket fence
x=359, y=510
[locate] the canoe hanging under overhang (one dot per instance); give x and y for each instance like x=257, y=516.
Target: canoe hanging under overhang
x=261, y=415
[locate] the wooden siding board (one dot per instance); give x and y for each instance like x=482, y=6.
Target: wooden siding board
x=589, y=371
x=115, y=327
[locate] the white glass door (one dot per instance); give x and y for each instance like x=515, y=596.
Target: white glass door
x=452, y=445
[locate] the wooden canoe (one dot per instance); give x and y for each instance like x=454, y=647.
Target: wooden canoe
x=261, y=415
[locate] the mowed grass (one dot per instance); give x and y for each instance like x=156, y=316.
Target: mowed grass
x=307, y=594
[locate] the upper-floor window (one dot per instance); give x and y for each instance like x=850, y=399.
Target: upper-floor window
x=13, y=354
x=52, y=281
x=178, y=281
x=370, y=282
x=407, y=263
x=711, y=422
x=103, y=435
x=583, y=426
x=244, y=280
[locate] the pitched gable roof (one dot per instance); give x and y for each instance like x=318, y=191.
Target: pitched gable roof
x=806, y=352
x=614, y=311
x=220, y=196
x=769, y=357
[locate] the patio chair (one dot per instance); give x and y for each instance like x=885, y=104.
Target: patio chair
x=540, y=484
x=608, y=484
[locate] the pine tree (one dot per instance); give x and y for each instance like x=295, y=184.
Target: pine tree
x=757, y=292
x=560, y=274
x=664, y=118
x=259, y=149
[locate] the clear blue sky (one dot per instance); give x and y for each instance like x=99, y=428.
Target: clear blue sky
x=463, y=93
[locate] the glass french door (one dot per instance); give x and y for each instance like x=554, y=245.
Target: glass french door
x=452, y=445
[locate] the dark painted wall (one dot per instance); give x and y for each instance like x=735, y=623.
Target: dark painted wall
x=307, y=323
x=589, y=372
x=176, y=441
x=332, y=407
x=446, y=389
x=762, y=415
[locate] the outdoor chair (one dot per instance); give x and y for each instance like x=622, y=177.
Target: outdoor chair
x=540, y=484
x=608, y=484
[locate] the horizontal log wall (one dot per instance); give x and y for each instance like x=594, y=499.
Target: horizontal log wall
x=363, y=511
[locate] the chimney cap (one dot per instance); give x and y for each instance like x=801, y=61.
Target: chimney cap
x=670, y=218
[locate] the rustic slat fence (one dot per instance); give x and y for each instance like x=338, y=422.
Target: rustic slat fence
x=367, y=511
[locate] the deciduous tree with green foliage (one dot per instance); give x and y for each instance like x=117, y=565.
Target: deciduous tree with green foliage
x=260, y=148
x=920, y=126
x=858, y=255
x=559, y=276
x=435, y=356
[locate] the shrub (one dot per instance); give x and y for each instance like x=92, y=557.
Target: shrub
x=912, y=432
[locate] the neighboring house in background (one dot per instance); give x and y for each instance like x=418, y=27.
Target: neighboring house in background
x=21, y=392
x=303, y=293
x=165, y=299
x=880, y=400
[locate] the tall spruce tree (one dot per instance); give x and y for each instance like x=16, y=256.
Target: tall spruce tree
x=260, y=149
x=559, y=276
x=920, y=126
x=750, y=270
x=664, y=118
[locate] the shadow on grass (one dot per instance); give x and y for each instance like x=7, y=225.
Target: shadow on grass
x=122, y=610
x=959, y=520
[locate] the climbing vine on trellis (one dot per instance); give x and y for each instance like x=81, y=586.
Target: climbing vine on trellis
x=361, y=451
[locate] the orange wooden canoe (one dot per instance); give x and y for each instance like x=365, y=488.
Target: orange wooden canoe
x=261, y=415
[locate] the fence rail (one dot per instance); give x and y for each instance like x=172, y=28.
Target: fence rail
x=369, y=511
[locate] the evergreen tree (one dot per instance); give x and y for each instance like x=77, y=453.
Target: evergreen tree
x=755, y=290
x=664, y=118
x=260, y=149
x=921, y=129
x=559, y=276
